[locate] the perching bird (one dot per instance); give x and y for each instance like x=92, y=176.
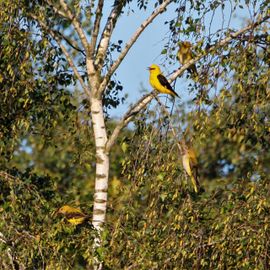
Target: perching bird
x=185, y=54
x=190, y=164
x=159, y=82
x=73, y=215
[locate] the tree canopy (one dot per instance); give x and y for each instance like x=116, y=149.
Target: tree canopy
x=58, y=86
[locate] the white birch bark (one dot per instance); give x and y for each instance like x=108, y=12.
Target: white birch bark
x=102, y=173
x=102, y=164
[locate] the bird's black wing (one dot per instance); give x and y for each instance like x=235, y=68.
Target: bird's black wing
x=164, y=82
x=75, y=215
x=193, y=70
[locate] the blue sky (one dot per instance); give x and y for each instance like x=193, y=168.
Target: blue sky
x=133, y=72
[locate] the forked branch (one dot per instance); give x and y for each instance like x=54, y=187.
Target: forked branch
x=107, y=33
x=96, y=27
x=75, y=23
x=130, y=43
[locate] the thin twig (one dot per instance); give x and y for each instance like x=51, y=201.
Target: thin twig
x=134, y=110
x=96, y=27
x=76, y=24
x=169, y=118
x=71, y=43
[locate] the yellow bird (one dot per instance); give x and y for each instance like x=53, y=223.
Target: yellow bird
x=159, y=82
x=73, y=215
x=190, y=164
x=185, y=54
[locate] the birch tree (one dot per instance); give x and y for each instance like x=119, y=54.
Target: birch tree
x=76, y=29
x=93, y=48
x=92, y=43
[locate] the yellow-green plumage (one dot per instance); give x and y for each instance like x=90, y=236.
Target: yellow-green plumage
x=185, y=54
x=73, y=215
x=190, y=164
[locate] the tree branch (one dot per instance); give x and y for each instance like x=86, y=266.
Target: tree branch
x=76, y=24
x=56, y=37
x=71, y=43
x=220, y=44
x=163, y=108
x=135, y=109
x=68, y=40
x=57, y=10
x=106, y=34
x=130, y=43
x=95, y=31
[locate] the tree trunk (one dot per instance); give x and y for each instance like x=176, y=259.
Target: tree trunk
x=102, y=164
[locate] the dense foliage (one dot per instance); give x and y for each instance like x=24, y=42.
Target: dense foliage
x=154, y=218
x=165, y=225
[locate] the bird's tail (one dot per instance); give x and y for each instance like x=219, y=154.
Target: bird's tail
x=174, y=94
x=194, y=183
x=193, y=71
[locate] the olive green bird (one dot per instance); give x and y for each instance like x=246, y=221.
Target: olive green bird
x=73, y=215
x=185, y=54
x=190, y=164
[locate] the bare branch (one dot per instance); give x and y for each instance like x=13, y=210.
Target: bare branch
x=57, y=38
x=147, y=98
x=95, y=31
x=220, y=44
x=106, y=34
x=71, y=43
x=68, y=40
x=76, y=24
x=130, y=43
x=134, y=110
